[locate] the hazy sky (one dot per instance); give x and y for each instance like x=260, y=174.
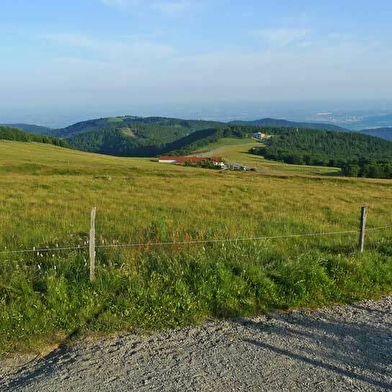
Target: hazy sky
x=118, y=55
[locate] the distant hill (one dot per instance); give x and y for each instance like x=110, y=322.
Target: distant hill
x=144, y=127
x=38, y=129
x=272, y=122
x=130, y=135
x=151, y=136
x=15, y=134
x=116, y=142
x=383, y=133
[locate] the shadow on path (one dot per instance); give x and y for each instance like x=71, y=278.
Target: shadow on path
x=360, y=349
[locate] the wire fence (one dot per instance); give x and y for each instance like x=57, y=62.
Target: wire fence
x=191, y=242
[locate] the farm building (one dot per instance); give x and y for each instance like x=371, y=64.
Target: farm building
x=259, y=135
x=180, y=160
x=168, y=160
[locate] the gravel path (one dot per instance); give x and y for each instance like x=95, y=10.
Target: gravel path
x=341, y=348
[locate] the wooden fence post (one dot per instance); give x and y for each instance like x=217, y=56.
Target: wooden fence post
x=362, y=229
x=92, y=244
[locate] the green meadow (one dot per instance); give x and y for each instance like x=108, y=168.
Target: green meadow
x=201, y=255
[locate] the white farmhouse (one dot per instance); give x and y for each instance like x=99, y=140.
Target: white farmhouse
x=259, y=135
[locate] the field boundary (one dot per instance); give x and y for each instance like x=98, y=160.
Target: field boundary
x=191, y=242
x=90, y=244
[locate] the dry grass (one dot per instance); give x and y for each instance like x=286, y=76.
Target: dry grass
x=46, y=197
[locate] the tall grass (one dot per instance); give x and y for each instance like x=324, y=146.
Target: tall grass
x=45, y=200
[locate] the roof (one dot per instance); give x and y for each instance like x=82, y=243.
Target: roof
x=163, y=158
x=193, y=159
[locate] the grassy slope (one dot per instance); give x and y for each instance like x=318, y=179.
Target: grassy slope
x=46, y=197
x=236, y=150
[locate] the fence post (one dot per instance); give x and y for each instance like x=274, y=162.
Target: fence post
x=362, y=229
x=92, y=244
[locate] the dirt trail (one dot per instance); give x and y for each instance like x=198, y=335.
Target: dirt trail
x=341, y=348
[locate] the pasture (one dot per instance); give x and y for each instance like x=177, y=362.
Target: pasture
x=46, y=196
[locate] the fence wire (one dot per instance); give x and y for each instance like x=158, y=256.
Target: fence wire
x=192, y=242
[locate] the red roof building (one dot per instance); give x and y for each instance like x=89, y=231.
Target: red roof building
x=180, y=160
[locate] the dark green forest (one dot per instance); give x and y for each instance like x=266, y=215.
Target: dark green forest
x=38, y=129
x=144, y=127
x=273, y=122
x=356, y=154
x=156, y=140
x=14, y=134
x=150, y=136
x=133, y=136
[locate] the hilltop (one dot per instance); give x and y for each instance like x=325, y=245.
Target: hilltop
x=38, y=129
x=150, y=136
x=15, y=134
x=272, y=122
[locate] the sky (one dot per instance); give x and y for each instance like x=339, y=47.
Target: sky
x=64, y=59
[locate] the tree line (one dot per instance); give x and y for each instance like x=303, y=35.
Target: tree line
x=14, y=134
x=356, y=154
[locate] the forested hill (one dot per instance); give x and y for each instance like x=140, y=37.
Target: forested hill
x=130, y=135
x=272, y=122
x=383, y=133
x=143, y=127
x=181, y=125
x=38, y=129
x=14, y=134
x=355, y=153
x=116, y=142
x=149, y=136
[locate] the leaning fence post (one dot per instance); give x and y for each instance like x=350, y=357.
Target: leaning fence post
x=362, y=229
x=92, y=244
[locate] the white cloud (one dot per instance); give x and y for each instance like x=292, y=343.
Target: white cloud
x=283, y=36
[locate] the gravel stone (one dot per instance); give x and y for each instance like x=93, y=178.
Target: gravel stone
x=339, y=348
